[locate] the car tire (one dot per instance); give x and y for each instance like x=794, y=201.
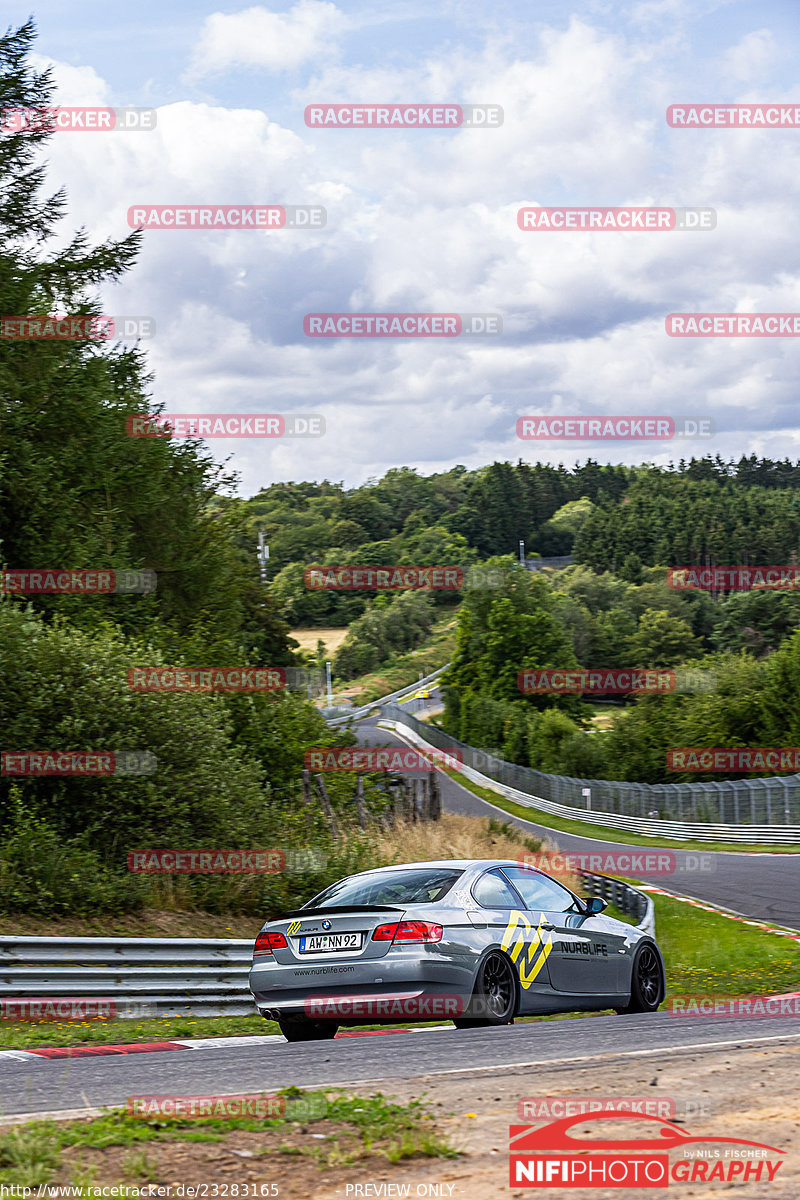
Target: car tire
x=647, y=980
x=307, y=1031
x=494, y=997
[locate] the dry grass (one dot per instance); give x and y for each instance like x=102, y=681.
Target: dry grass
x=150, y=922
x=463, y=837
x=308, y=638
x=454, y=837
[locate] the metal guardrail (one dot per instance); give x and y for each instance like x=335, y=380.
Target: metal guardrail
x=627, y=899
x=356, y=713
x=555, y=560
x=175, y=977
x=661, y=809
x=143, y=976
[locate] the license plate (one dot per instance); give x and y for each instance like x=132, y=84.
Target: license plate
x=318, y=943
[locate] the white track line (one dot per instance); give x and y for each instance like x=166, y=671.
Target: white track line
x=543, y=1063
x=64, y=1114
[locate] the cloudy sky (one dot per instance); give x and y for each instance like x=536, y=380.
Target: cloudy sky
x=425, y=220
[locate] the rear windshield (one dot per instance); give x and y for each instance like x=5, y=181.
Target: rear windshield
x=420, y=886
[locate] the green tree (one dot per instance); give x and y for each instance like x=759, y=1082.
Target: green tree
x=75, y=489
x=662, y=640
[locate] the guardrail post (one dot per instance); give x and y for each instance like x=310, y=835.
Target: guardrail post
x=326, y=804
x=362, y=812
x=436, y=797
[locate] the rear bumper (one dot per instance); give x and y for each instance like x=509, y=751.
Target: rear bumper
x=382, y=989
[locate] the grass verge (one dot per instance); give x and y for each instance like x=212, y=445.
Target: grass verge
x=117, y=1147
x=709, y=954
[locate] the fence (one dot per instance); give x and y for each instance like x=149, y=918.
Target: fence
x=168, y=977
x=748, y=809
x=410, y=799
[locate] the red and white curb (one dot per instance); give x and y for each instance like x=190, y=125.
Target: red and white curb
x=221, y=1043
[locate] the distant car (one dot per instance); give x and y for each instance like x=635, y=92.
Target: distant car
x=478, y=941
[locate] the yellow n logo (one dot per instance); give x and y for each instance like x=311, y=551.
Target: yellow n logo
x=529, y=956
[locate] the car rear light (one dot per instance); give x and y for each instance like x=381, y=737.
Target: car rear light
x=267, y=942
x=408, y=931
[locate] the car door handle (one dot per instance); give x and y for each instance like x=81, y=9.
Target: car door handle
x=545, y=926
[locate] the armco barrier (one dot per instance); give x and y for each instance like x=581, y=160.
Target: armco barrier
x=627, y=899
x=167, y=977
x=173, y=976
x=606, y=794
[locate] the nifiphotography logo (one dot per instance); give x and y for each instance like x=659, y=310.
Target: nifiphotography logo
x=551, y=1156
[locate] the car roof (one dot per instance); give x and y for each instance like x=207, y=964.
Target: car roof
x=462, y=863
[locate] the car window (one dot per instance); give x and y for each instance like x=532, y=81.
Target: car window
x=389, y=887
x=540, y=891
x=493, y=891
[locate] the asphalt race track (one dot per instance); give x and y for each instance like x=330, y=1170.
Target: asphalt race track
x=765, y=887
x=44, y=1085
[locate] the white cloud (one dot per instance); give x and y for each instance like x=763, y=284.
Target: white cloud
x=751, y=59
x=426, y=221
x=269, y=41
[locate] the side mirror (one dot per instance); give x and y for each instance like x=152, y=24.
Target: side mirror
x=595, y=905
